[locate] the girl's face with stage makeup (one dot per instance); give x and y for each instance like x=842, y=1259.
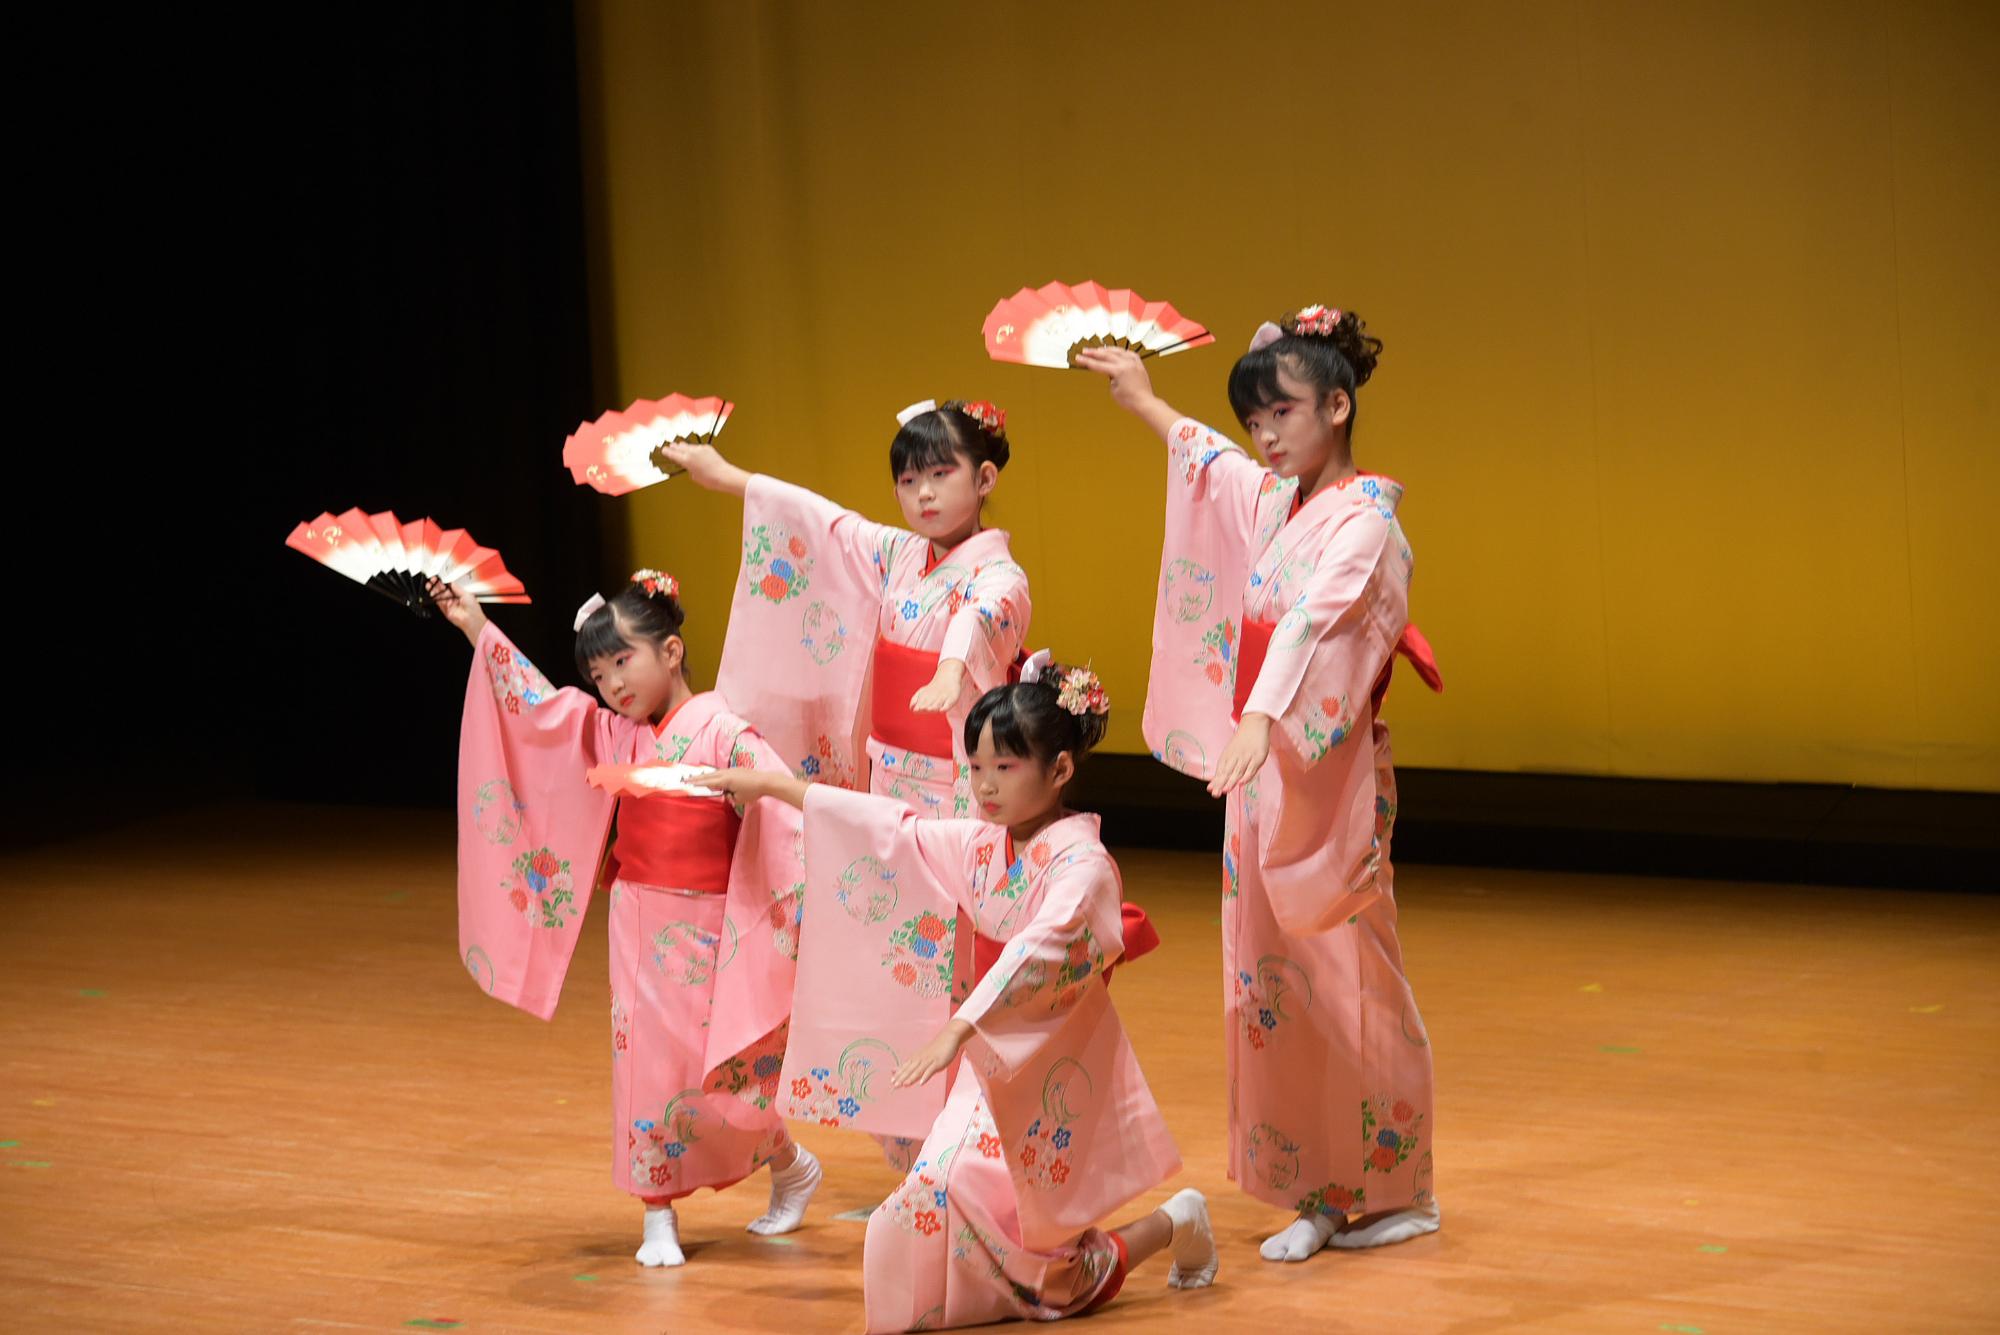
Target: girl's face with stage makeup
x=638, y=679
x=1014, y=790
x=941, y=500
x=1297, y=432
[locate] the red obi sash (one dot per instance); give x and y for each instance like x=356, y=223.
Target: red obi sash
x=900, y=672
x=1254, y=645
x=1417, y=649
x=676, y=841
x=985, y=954
x=1251, y=647
x=1141, y=938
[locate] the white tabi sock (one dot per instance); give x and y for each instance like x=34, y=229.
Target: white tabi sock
x=663, y=1238
x=1193, y=1244
x=1400, y=1226
x=1298, y=1239
x=791, y=1187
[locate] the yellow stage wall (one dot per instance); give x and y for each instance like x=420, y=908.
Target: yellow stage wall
x=1692, y=316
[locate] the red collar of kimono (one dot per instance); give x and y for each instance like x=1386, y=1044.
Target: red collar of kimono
x=997, y=536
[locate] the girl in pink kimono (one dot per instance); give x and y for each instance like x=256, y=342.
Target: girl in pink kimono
x=1043, y=1124
x=854, y=644
x=858, y=647
x=693, y=1085
x=1283, y=599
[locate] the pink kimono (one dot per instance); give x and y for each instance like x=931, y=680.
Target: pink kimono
x=1044, y=1125
x=837, y=621
x=700, y=895
x=1297, y=614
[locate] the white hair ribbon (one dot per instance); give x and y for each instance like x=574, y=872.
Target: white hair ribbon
x=590, y=604
x=1032, y=669
x=1267, y=334
x=918, y=408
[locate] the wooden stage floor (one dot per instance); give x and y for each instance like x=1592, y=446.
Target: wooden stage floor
x=247, y=1086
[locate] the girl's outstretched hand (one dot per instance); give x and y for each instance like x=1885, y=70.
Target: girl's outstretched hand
x=706, y=466
x=1244, y=756
x=942, y=692
x=458, y=607
x=747, y=785
x=934, y=1056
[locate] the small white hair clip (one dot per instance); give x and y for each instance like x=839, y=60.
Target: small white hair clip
x=917, y=409
x=1032, y=669
x=1267, y=334
x=590, y=604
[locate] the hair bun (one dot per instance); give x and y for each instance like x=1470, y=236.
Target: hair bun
x=1361, y=348
x=1343, y=330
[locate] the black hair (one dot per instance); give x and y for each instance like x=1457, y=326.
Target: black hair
x=631, y=612
x=942, y=436
x=1343, y=360
x=1029, y=721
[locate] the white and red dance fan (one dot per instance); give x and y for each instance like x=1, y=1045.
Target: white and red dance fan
x=646, y=780
x=1045, y=326
x=619, y=452
x=398, y=559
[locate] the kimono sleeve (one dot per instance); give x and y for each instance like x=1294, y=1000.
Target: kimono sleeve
x=1222, y=509
x=802, y=623
x=875, y=960
x=753, y=989
x=1058, y=957
x=986, y=632
x=530, y=829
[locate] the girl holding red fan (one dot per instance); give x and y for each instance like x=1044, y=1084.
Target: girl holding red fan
x=859, y=647
x=694, y=1077
x=856, y=643
x=1283, y=600
x=1044, y=1124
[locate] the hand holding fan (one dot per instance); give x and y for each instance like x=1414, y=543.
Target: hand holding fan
x=1046, y=326
x=648, y=780
x=397, y=559
x=619, y=452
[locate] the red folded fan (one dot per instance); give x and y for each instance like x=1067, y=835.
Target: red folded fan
x=398, y=559
x=1045, y=326
x=619, y=452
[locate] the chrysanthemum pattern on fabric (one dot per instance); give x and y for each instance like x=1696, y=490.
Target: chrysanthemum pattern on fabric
x=776, y=565
x=541, y=890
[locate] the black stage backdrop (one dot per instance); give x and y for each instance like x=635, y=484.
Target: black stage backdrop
x=366, y=232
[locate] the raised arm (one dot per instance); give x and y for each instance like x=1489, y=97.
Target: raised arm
x=1131, y=386
x=459, y=608
x=705, y=464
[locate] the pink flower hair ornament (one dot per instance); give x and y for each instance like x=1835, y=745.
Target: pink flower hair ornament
x=657, y=582
x=1316, y=319
x=984, y=413
x=1082, y=693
